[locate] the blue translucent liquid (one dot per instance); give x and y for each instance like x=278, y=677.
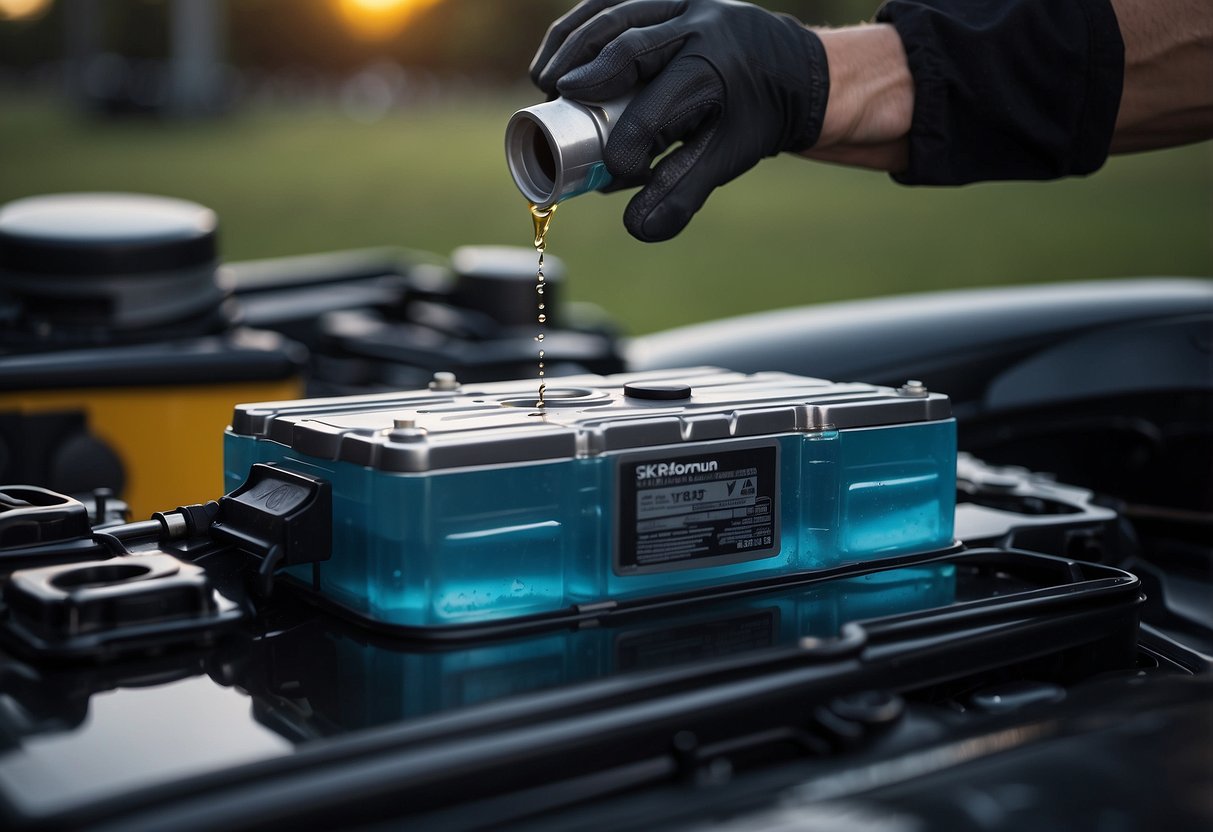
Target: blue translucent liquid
x=474, y=545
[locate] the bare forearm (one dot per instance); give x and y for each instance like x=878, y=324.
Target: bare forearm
x=871, y=101
x=1168, y=90
x=1167, y=97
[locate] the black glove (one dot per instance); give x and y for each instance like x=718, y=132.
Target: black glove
x=732, y=81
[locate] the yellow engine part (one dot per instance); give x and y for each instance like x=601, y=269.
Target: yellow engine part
x=170, y=438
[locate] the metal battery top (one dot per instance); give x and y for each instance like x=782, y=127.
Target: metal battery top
x=459, y=426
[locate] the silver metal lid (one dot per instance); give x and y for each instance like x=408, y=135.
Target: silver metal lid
x=498, y=423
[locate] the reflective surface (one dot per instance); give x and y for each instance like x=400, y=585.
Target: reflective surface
x=73, y=735
x=131, y=738
x=70, y=736
x=320, y=678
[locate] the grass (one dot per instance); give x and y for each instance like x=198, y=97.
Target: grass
x=790, y=232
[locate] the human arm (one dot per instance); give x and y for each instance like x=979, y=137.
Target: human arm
x=867, y=118
x=1166, y=97
x=939, y=92
x=1168, y=89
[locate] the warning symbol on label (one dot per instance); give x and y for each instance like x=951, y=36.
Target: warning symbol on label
x=689, y=517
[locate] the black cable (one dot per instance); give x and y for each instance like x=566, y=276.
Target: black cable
x=127, y=531
x=115, y=546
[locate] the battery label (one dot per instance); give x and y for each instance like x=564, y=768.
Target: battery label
x=680, y=511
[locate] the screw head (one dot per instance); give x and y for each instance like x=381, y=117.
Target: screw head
x=407, y=434
x=444, y=381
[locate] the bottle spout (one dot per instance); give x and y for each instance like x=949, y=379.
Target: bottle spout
x=554, y=149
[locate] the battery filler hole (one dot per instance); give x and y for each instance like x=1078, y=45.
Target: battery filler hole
x=563, y=397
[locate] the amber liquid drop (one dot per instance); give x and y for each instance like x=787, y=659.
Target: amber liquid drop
x=541, y=217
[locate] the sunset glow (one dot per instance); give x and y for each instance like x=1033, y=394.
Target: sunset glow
x=22, y=9
x=379, y=19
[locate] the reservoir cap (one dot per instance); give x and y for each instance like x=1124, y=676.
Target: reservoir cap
x=657, y=391
x=105, y=234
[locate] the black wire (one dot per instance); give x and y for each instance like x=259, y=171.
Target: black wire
x=126, y=531
x=115, y=546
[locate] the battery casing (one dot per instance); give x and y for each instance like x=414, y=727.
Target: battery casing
x=469, y=505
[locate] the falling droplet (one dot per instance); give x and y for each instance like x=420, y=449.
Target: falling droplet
x=541, y=218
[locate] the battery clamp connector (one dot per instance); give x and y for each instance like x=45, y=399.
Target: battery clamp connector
x=279, y=517
x=30, y=515
x=39, y=526
x=97, y=610
x=146, y=599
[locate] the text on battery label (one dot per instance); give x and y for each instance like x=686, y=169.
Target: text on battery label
x=667, y=469
x=723, y=494
x=694, y=508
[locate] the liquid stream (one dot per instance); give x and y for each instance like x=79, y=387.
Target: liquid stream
x=541, y=219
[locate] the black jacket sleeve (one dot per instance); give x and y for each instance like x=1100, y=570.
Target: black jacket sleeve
x=1008, y=89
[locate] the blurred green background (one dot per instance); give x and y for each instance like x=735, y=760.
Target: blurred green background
x=308, y=153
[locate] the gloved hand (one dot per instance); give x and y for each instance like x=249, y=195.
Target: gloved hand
x=733, y=82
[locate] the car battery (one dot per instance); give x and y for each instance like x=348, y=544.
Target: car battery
x=460, y=505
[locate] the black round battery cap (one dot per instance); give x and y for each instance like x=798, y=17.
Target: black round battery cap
x=105, y=234
x=657, y=390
